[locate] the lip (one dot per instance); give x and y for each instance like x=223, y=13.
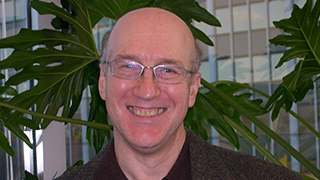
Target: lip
x=146, y=112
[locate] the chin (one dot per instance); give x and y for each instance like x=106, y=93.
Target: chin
x=146, y=140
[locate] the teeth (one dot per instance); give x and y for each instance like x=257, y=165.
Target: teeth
x=146, y=112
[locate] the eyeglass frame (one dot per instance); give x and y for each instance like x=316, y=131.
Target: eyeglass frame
x=149, y=67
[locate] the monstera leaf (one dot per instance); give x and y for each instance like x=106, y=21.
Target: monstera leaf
x=210, y=108
x=62, y=65
x=191, y=10
x=303, y=41
x=223, y=94
x=4, y=143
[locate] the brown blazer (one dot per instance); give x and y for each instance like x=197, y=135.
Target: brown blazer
x=208, y=162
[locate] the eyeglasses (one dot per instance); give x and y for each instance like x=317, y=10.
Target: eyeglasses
x=168, y=74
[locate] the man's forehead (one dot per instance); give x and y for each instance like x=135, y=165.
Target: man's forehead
x=152, y=31
x=155, y=15
x=151, y=20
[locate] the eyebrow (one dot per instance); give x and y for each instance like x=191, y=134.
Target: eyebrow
x=170, y=61
x=126, y=57
x=160, y=61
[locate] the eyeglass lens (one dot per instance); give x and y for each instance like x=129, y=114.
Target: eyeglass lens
x=132, y=70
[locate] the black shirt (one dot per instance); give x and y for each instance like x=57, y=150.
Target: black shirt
x=109, y=168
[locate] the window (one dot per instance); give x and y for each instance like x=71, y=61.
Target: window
x=243, y=53
x=13, y=17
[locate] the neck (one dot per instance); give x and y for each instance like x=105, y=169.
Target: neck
x=149, y=163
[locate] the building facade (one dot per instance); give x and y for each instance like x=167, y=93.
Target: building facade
x=243, y=53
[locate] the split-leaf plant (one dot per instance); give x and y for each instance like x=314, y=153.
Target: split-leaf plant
x=63, y=62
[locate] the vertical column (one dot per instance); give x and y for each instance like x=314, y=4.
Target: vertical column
x=250, y=61
x=212, y=57
x=294, y=137
x=294, y=123
x=270, y=67
x=54, y=151
x=53, y=137
x=316, y=120
x=7, y=133
x=84, y=115
x=231, y=40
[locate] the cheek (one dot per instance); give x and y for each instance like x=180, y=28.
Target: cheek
x=179, y=94
x=117, y=93
x=115, y=96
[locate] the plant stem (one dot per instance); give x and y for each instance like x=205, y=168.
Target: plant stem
x=59, y=119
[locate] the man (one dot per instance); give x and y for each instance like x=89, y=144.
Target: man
x=149, y=79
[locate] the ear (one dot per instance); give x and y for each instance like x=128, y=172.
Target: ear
x=194, y=86
x=102, y=82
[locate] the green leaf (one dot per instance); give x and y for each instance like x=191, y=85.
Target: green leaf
x=234, y=90
x=303, y=41
x=115, y=9
x=28, y=38
x=188, y=10
x=303, y=33
x=29, y=176
x=196, y=119
x=74, y=166
x=217, y=121
x=81, y=23
x=98, y=111
x=290, y=80
x=185, y=9
x=218, y=107
x=30, y=123
x=57, y=85
x=4, y=144
x=253, y=141
x=59, y=73
x=42, y=57
x=8, y=91
x=200, y=35
x=15, y=129
x=264, y=129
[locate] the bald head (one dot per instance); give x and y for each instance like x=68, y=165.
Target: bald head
x=149, y=28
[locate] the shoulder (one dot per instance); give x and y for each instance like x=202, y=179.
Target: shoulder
x=212, y=162
x=86, y=171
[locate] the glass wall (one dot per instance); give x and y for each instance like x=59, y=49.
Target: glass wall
x=13, y=17
x=242, y=53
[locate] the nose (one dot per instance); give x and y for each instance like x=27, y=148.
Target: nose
x=147, y=87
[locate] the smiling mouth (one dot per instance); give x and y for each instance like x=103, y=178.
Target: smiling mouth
x=146, y=112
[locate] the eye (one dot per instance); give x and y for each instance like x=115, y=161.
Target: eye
x=129, y=65
x=169, y=70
